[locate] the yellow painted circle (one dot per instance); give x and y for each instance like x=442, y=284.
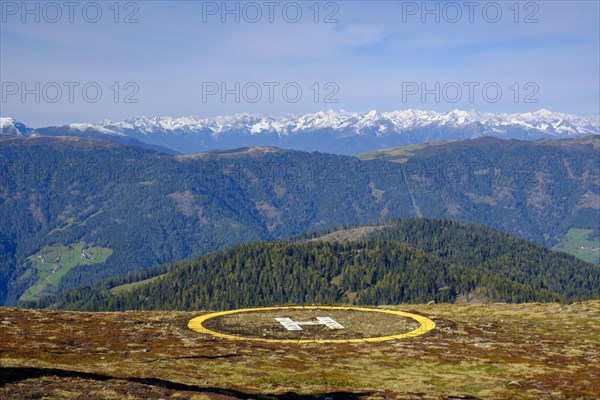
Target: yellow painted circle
x=425, y=325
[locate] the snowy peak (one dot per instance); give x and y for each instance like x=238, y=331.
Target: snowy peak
x=84, y=127
x=12, y=127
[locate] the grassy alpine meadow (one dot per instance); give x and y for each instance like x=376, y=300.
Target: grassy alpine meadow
x=492, y=351
x=52, y=263
x=578, y=243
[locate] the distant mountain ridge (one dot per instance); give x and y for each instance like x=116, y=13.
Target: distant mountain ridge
x=338, y=132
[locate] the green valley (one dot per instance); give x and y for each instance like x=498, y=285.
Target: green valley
x=52, y=263
x=579, y=243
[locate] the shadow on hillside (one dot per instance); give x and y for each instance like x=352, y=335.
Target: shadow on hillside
x=10, y=375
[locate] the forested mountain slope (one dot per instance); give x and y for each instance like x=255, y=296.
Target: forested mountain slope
x=143, y=208
x=413, y=261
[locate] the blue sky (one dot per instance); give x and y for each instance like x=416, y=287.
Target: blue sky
x=179, y=56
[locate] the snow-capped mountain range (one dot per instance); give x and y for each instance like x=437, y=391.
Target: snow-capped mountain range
x=329, y=131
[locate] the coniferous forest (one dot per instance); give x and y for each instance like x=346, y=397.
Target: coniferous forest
x=404, y=261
